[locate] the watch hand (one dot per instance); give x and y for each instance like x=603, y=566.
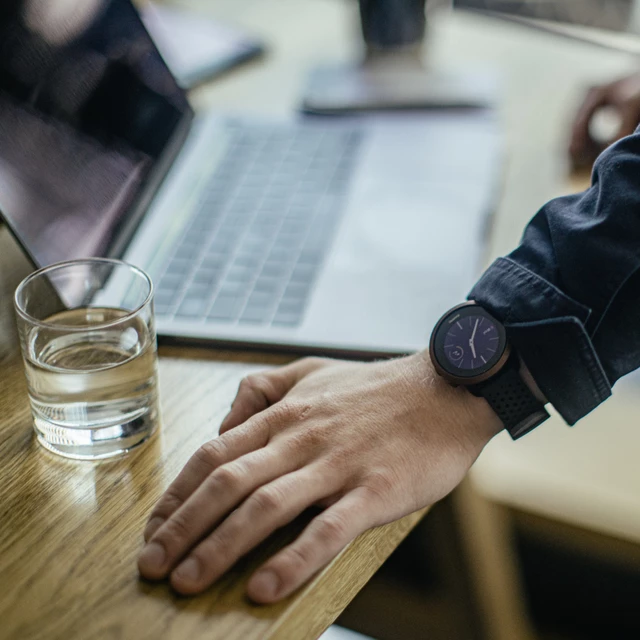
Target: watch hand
x=471, y=340
x=473, y=334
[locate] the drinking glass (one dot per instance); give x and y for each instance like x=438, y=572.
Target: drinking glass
x=88, y=341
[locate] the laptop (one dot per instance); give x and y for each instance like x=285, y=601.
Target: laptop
x=344, y=236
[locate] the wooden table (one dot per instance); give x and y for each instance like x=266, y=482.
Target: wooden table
x=70, y=531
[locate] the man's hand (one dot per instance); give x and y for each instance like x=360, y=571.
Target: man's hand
x=622, y=95
x=369, y=443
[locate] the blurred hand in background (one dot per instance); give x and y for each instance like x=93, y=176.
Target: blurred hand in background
x=609, y=112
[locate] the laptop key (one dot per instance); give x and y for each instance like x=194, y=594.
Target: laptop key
x=261, y=299
x=295, y=291
x=302, y=273
x=179, y=266
x=207, y=277
x=249, y=260
x=239, y=273
x=292, y=305
x=214, y=261
x=275, y=270
x=255, y=314
x=282, y=255
x=267, y=285
x=171, y=282
x=234, y=289
x=311, y=257
x=192, y=307
x=226, y=307
x=286, y=319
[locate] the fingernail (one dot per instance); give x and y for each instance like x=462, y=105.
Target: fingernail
x=152, y=526
x=189, y=570
x=266, y=583
x=152, y=556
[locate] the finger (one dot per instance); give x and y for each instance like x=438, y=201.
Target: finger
x=218, y=494
x=265, y=510
x=581, y=143
x=630, y=118
x=259, y=391
x=319, y=543
x=208, y=458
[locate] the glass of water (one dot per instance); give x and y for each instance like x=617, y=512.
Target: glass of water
x=89, y=345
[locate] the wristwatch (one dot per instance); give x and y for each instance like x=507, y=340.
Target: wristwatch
x=469, y=347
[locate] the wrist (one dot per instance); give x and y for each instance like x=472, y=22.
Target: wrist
x=470, y=419
x=470, y=348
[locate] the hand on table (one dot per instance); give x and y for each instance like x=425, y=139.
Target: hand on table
x=369, y=443
x=622, y=95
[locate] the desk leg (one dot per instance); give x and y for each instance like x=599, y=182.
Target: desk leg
x=486, y=537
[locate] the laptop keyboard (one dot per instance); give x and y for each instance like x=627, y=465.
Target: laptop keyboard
x=257, y=239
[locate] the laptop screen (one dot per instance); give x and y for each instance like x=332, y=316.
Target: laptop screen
x=88, y=111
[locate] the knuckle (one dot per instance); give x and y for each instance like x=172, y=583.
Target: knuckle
x=168, y=504
x=379, y=484
x=313, y=362
x=266, y=500
x=255, y=383
x=221, y=542
x=308, y=439
x=332, y=528
x=175, y=530
x=211, y=453
x=284, y=410
x=281, y=413
x=295, y=559
x=226, y=477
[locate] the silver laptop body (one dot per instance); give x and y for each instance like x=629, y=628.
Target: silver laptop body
x=406, y=244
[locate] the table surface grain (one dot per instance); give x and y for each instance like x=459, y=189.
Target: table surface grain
x=70, y=531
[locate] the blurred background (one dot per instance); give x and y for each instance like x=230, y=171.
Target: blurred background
x=543, y=540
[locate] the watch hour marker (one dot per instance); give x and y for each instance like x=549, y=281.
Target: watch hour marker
x=483, y=360
x=487, y=330
x=459, y=325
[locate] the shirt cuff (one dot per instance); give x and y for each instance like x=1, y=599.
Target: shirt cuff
x=547, y=328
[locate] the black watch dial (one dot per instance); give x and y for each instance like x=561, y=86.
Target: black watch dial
x=468, y=342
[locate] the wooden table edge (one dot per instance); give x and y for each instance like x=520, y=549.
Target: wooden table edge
x=343, y=579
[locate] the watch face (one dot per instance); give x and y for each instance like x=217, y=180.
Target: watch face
x=468, y=342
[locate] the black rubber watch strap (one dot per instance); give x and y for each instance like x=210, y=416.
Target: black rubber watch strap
x=513, y=401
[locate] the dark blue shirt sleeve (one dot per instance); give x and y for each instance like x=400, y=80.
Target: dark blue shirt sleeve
x=569, y=295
